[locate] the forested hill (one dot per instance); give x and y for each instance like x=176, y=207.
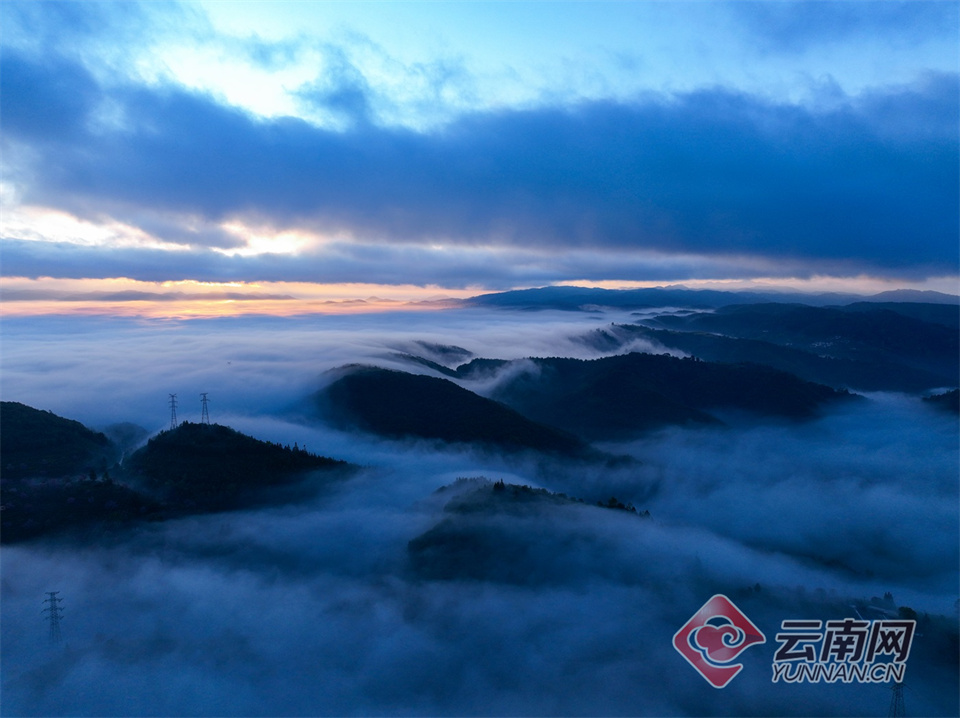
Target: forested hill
x=557, y=405
x=58, y=475
x=400, y=405
x=215, y=467
x=881, y=336
x=36, y=443
x=948, y=401
x=878, y=374
x=622, y=395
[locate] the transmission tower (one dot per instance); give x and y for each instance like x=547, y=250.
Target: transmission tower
x=173, y=411
x=54, y=615
x=897, y=709
x=204, y=414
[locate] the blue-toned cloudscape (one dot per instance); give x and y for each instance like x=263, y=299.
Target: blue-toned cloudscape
x=728, y=363
x=481, y=145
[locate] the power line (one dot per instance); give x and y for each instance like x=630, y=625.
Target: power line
x=173, y=411
x=54, y=615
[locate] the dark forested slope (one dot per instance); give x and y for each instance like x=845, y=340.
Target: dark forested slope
x=56, y=475
x=860, y=334
x=617, y=396
x=214, y=467
x=854, y=374
x=36, y=443
x=400, y=405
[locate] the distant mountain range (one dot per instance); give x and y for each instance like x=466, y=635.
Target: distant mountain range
x=757, y=361
x=773, y=360
x=621, y=396
x=852, y=374
x=921, y=343
x=557, y=405
x=862, y=345
x=585, y=298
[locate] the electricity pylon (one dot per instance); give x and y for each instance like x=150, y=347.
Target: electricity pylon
x=173, y=411
x=204, y=414
x=54, y=615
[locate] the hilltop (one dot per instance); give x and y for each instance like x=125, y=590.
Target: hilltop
x=40, y=444
x=948, y=401
x=399, y=405
x=620, y=396
x=51, y=485
x=510, y=533
x=212, y=467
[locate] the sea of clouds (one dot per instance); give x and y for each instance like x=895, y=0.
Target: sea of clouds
x=316, y=608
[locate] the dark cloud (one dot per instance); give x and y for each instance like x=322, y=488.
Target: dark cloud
x=797, y=26
x=342, y=89
x=269, y=55
x=453, y=267
x=15, y=295
x=872, y=181
x=342, y=93
x=60, y=259
x=46, y=102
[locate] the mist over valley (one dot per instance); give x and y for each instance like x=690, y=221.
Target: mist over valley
x=471, y=511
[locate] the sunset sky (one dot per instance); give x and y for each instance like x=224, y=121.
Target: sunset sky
x=314, y=154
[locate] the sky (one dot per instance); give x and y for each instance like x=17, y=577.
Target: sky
x=200, y=158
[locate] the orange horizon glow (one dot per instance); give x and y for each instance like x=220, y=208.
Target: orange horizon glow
x=199, y=309
x=191, y=299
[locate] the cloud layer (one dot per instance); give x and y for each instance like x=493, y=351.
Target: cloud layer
x=316, y=609
x=845, y=186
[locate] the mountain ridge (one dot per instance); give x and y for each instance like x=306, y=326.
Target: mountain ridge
x=623, y=395
x=193, y=468
x=400, y=405
x=579, y=298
